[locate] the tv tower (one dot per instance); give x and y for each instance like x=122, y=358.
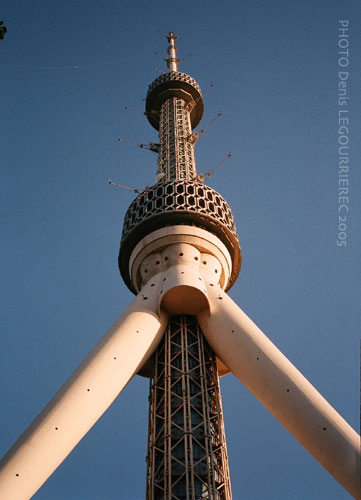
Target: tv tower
x=179, y=255
x=183, y=229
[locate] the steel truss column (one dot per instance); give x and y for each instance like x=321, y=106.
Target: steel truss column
x=176, y=151
x=187, y=456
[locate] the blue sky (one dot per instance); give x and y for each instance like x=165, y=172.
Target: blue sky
x=67, y=71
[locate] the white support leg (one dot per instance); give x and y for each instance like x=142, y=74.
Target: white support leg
x=282, y=389
x=84, y=397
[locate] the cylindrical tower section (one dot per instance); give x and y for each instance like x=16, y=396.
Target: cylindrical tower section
x=176, y=145
x=187, y=456
x=174, y=106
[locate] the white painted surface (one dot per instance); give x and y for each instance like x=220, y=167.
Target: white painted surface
x=84, y=397
x=282, y=389
x=182, y=289
x=154, y=243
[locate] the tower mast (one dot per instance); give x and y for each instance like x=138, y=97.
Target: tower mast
x=186, y=456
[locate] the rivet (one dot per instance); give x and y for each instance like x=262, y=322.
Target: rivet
x=181, y=254
x=145, y=270
x=204, y=262
x=164, y=279
x=152, y=284
x=145, y=298
x=195, y=258
x=56, y=428
x=288, y=390
x=324, y=428
x=17, y=475
x=165, y=258
x=158, y=262
x=216, y=270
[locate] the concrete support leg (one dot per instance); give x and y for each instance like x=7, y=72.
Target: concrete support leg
x=84, y=397
x=282, y=389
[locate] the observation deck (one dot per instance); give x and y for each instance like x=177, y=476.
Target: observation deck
x=174, y=107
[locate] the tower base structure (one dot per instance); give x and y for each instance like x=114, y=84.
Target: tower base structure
x=187, y=457
x=181, y=276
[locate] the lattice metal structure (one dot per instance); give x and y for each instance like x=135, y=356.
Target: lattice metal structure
x=187, y=457
x=176, y=155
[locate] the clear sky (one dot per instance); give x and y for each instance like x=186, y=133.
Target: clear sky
x=67, y=71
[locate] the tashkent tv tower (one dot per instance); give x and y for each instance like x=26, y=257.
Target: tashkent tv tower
x=179, y=255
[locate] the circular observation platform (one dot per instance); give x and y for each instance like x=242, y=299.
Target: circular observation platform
x=178, y=203
x=173, y=84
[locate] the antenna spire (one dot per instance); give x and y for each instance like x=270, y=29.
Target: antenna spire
x=172, y=61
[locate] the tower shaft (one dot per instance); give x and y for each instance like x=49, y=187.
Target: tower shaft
x=176, y=152
x=180, y=226
x=187, y=457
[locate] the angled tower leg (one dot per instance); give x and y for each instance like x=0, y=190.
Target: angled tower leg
x=282, y=389
x=84, y=397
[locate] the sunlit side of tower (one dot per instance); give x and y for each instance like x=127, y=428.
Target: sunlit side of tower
x=183, y=219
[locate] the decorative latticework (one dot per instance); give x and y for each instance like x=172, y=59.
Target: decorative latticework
x=176, y=156
x=177, y=202
x=174, y=84
x=187, y=456
x=181, y=197
x=173, y=76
